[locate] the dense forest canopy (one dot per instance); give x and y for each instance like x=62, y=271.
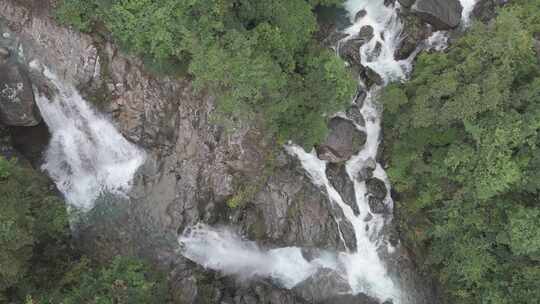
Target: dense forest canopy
x=259, y=57
x=462, y=141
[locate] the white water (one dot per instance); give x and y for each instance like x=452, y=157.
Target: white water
x=86, y=156
x=224, y=250
x=366, y=272
x=387, y=30
x=468, y=6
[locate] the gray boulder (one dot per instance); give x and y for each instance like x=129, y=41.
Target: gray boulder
x=442, y=14
x=366, y=172
x=355, y=115
x=376, y=205
x=17, y=105
x=414, y=32
x=338, y=177
x=343, y=141
x=323, y=285
x=376, y=187
x=485, y=10
x=406, y=3
x=350, y=49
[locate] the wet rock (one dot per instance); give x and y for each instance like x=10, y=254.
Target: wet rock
x=442, y=14
x=338, y=177
x=389, y=2
x=406, y=3
x=485, y=10
x=4, y=54
x=291, y=211
x=376, y=205
x=360, y=98
x=355, y=115
x=414, y=32
x=366, y=172
x=376, y=187
x=343, y=141
x=350, y=49
x=361, y=14
x=373, y=77
x=324, y=284
x=17, y=105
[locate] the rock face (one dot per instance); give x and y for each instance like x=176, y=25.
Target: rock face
x=338, y=177
x=485, y=10
x=406, y=3
x=343, y=141
x=350, y=48
x=291, y=211
x=17, y=105
x=323, y=285
x=442, y=14
x=414, y=32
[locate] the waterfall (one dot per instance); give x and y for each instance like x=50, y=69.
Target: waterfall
x=468, y=6
x=364, y=269
x=86, y=155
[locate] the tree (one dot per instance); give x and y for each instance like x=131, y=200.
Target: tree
x=257, y=57
x=462, y=139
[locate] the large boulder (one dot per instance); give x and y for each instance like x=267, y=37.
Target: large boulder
x=406, y=3
x=485, y=10
x=291, y=211
x=350, y=48
x=324, y=284
x=414, y=32
x=442, y=14
x=17, y=104
x=343, y=141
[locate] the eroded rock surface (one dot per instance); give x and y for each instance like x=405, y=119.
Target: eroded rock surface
x=442, y=14
x=17, y=104
x=343, y=141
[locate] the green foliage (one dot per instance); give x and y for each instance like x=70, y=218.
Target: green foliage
x=38, y=263
x=31, y=216
x=258, y=57
x=462, y=138
x=124, y=280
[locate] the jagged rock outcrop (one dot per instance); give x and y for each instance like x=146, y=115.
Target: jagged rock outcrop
x=323, y=285
x=338, y=177
x=291, y=211
x=414, y=32
x=343, y=141
x=485, y=10
x=17, y=104
x=406, y=3
x=442, y=14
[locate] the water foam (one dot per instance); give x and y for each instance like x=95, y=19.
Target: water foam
x=86, y=156
x=222, y=249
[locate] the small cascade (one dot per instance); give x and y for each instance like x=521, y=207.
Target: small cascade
x=378, y=53
x=468, y=6
x=86, y=156
x=223, y=250
x=364, y=269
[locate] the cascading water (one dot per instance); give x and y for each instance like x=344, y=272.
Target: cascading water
x=365, y=271
x=86, y=156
